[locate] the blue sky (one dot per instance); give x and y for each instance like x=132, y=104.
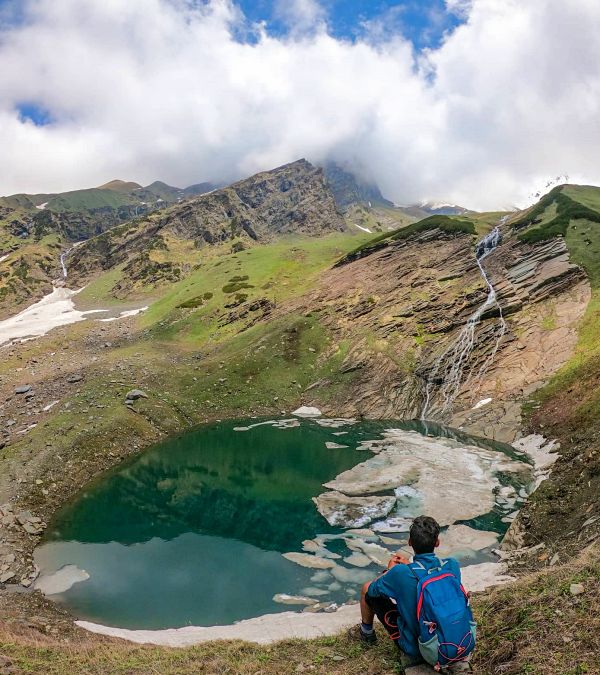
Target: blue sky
x=424, y=22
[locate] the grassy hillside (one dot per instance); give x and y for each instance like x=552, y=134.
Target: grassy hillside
x=88, y=200
x=553, y=214
x=568, y=408
x=448, y=224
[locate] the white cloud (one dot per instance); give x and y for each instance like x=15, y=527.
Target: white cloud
x=163, y=89
x=300, y=15
x=459, y=7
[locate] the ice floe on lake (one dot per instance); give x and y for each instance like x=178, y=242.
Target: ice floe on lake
x=442, y=477
x=61, y=580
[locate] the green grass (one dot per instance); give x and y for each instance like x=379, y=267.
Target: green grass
x=275, y=271
x=98, y=293
x=484, y=222
x=540, y=227
x=85, y=200
x=582, y=237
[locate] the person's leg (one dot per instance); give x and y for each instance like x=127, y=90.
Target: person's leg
x=367, y=615
x=387, y=613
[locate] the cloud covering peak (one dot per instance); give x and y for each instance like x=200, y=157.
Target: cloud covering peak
x=186, y=91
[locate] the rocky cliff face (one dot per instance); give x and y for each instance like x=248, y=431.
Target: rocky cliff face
x=292, y=199
x=399, y=309
x=349, y=191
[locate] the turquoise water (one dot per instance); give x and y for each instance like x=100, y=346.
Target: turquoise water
x=192, y=530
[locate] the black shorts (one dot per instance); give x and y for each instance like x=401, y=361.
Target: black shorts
x=387, y=613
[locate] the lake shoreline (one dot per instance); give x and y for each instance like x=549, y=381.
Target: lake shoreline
x=55, y=612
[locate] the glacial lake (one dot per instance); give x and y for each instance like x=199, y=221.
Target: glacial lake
x=192, y=531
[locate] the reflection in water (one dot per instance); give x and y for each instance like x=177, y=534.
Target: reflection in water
x=192, y=530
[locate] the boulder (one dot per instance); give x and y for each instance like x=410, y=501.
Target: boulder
x=135, y=394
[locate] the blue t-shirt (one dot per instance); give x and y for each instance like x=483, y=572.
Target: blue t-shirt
x=400, y=584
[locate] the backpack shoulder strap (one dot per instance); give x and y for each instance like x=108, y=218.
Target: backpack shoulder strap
x=418, y=570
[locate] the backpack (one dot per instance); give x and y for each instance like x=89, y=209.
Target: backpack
x=447, y=631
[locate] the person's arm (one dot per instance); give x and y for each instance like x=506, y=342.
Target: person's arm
x=397, y=559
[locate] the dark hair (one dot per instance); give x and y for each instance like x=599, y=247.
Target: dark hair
x=424, y=533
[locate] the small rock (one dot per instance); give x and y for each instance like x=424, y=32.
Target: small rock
x=134, y=394
x=75, y=378
x=24, y=517
x=31, y=529
x=6, y=665
x=23, y=389
x=6, y=576
x=576, y=589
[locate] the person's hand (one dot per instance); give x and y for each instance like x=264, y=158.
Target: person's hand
x=397, y=559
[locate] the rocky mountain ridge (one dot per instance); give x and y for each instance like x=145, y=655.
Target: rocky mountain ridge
x=291, y=200
x=80, y=214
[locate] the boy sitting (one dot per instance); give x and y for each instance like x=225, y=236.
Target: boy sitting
x=422, y=605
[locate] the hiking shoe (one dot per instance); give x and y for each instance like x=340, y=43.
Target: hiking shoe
x=356, y=633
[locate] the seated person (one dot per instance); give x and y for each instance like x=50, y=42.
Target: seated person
x=392, y=597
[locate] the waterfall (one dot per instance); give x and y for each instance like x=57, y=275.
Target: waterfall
x=451, y=365
x=63, y=257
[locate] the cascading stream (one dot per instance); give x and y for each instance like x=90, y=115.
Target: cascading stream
x=451, y=365
x=63, y=258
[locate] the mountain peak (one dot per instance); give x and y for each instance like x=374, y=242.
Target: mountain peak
x=120, y=186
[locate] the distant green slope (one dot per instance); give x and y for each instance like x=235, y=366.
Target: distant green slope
x=568, y=207
x=88, y=200
x=449, y=224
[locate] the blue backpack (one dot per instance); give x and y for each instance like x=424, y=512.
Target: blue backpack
x=447, y=631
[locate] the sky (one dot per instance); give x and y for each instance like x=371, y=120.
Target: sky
x=476, y=102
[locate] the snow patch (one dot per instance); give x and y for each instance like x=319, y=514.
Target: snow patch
x=53, y=310
x=541, y=451
x=123, y=315
x=480, y=404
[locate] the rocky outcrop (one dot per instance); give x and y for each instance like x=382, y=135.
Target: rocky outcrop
x=349, y=191
x=399, y=308
x=293, y=199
